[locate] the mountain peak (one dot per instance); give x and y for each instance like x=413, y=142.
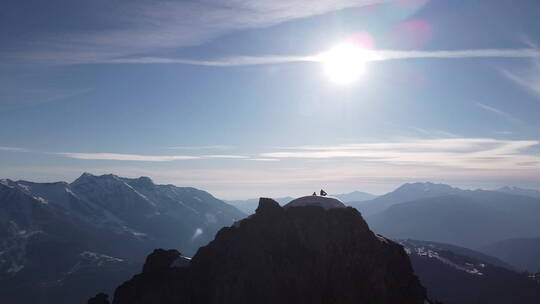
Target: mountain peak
x=425, y=186
x=6, y=182
x=142, y=182
x=285, y=255
x=89, y=177
x=268, y=205
x=86, y=176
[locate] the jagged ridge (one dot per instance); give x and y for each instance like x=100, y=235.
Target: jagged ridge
x=284, y=255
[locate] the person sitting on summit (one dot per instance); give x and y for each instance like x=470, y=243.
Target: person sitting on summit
x=315, y=193
x=323, y=193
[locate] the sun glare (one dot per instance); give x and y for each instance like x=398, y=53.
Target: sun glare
x=344, y=63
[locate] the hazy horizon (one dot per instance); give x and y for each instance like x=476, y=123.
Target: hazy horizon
x=297, y=192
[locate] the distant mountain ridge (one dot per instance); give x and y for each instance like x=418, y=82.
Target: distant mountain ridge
x=355, y=196
x=520, y=191
x=53, y=231
x=249, y=205
x=522, y=253
x=436, y=212
x=404, y=193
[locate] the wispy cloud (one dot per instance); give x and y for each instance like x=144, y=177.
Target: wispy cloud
x=469, y=153
x=13, y=149
x=264, y=159
x=380, y=55
x=111, y=32
x=433, y=133
x=209, y=147
x=498, y=112
x=145, y=158
x=225, y=156
x=118, y=29
x=457, y=54
x=528, y=79
x=126, y=157
x=220, y=62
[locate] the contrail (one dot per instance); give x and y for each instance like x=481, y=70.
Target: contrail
x=457, y=54
x=223, y=62
x=380, y=55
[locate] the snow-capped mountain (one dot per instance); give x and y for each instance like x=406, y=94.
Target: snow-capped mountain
x=51, y=231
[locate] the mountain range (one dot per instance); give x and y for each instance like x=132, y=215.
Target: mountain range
x=437, y=212
x=73, y=239
x=67, y=241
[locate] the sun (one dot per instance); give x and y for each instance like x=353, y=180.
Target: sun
x=345, y=63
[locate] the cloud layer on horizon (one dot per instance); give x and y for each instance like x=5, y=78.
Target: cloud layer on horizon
x=465, y=153
x=381, y=164
x=460, y=153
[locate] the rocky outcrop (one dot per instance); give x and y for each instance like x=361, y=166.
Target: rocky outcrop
x=325, y=202
x=160, y=259
x=100, y=298
x=294, y=255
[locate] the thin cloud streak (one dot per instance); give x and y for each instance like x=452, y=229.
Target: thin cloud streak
x=264, y=159
x=13, y=149
x=381, y=55
x=138, y=27
x=458, y=54
x=126, y=157
x=210, y=147
x=465, y=153
x=224, y=156
x=498, y=112
x=145, y=158
x=530, y=80
x=223, y=62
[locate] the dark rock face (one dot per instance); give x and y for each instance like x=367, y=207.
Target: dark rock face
x=100, y=298
x=160, y=259
x=294, y=255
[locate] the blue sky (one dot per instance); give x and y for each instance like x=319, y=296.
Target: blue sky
x=229, y=95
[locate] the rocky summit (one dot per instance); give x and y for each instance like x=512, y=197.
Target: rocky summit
x=299, y=254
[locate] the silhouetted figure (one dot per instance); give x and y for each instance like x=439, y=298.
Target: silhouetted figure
x=323, y=193
x=315, y=193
